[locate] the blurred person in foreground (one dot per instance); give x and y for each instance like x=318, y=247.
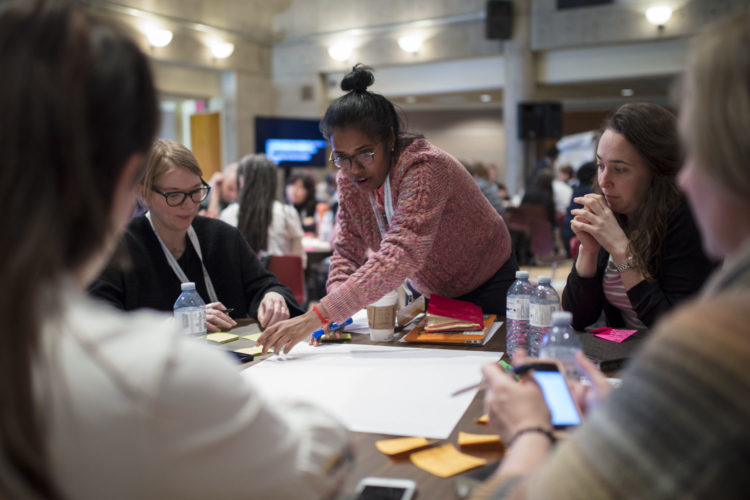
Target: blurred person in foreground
x=97, y=403
x=677, y=427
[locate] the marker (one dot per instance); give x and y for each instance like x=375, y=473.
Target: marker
x=227, y=310
x=518, y=370
x=334, y=326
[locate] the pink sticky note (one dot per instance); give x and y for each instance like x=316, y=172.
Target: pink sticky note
x=612, y=334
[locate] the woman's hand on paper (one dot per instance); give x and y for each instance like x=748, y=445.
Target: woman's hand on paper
x=512, y=405
x=589, y=396
x=217, y=319
x=272, y=309
x=282, y=336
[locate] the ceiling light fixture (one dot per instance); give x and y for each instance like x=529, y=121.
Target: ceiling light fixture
x=156, y=35
x=485, y=98
x=410, y=43
x=220, y=49
x=627, y=92
x=658, y=15
x=341, y=50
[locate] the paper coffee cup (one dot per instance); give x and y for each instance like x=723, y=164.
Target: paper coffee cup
x=381, y=317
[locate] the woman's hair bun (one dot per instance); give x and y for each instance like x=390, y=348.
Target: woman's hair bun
x=358, y=79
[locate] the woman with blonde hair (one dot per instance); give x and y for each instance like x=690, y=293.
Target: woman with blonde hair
x=170, y=245
x=677, y=427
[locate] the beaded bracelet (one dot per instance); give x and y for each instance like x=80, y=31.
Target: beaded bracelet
x=541, y=430
x=320, y=316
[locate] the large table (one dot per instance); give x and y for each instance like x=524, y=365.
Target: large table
x=369, y=461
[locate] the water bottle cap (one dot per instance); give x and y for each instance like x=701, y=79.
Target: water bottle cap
x=562, y=317
x=189, y=285
x=522, y=275
x=544, y=280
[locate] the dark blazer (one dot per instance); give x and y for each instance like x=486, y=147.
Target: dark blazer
x=238, y=276
x=683, y=270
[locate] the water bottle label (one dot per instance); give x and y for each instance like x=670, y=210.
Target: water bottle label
x=192, y=322
x=517, y=308
x=541, y=314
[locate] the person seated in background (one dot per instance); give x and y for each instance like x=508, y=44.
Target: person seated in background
x=540, y=194
x=481, y=175
x=640, y=251
x=677, y=426
x=545, y=162
x=567, y=175
x=98, y=403
x=562, y=193
x=269, y=226
x=585, y=176
x=411, y=205
x=224, y=189
x=170, y=245
x=300, y=192
x=502, y=191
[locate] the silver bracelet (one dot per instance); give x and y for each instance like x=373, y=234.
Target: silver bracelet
x=628, y=264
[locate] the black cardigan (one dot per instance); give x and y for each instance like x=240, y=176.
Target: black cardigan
x=683, y=270
x=238, y=276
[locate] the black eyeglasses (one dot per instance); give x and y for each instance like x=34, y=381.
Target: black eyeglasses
x=177, y=198
x=364, y=159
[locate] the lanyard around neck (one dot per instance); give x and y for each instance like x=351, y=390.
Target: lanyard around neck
x=388, y=204
x=176, y=266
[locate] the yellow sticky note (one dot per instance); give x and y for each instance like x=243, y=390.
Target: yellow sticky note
x=484, y=419
x=445, y=461
x=221, y=337
x=253, y=336
x=255, y=350
x=400, y=445
x=468, y=439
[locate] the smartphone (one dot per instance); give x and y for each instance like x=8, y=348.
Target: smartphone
x=383, y=488
x=549, y=375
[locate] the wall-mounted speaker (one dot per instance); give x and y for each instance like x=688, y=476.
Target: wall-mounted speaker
x=538, y=120
x=499, y=20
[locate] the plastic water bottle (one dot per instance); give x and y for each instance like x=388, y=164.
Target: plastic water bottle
x=517, y=313
x=543, y=302
x=190, y=311
x=562, y=343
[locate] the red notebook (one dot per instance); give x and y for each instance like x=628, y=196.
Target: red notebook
x=444, y=314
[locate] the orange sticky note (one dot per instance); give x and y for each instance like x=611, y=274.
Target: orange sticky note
x=400, y=445
x=468, y=439
x=445, y=461
x=484, y=419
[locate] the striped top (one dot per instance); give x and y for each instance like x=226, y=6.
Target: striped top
x=616, y=295
x=445, y=237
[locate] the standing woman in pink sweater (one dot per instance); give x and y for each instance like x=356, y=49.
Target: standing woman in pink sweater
x=414, y=205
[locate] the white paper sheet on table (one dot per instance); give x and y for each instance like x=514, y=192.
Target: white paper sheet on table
x=359, y=323
x=380, y=389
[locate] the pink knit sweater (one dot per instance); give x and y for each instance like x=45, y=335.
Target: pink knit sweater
x=445, y=236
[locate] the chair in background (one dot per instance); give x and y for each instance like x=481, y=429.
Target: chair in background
x=288, y=270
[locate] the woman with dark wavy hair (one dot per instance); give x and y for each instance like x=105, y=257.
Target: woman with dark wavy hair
x=97, y=403
x=640, y=251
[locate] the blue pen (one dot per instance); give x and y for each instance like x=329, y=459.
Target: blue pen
x=334, y=326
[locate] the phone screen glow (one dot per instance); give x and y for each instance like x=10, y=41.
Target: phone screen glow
x=558, y=398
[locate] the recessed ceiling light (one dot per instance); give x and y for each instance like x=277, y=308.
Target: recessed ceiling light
x=658, y=14
x=485, y=98
x=627, y=92
x=156, y=35
x=341, y=50
x=220, y=49
x=410, y=43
